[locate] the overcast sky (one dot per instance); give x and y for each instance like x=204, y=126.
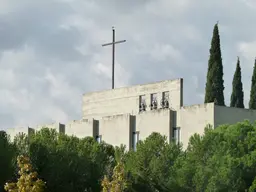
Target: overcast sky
x=50, y=50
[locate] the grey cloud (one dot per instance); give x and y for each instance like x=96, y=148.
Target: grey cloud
x=30, y=21
x=60, y=44
x=146, y=26
x=6, y=118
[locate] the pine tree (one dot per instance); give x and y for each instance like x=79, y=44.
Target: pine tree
x=237, y=96
x=252, y=103
x=214, y=86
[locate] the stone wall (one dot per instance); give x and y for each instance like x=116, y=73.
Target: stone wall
x=231, y=115
x=83, y=128
x=126, y=100
x=60, y=128
x=160, y=121
x=193, y=119
x=12, y=132
x=116, y=130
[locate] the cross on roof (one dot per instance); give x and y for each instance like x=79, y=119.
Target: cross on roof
x=113, y=55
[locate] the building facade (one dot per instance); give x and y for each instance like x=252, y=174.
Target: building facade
x=127, y=115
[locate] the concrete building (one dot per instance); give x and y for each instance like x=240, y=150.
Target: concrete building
x=60, y=128
x=126, y=115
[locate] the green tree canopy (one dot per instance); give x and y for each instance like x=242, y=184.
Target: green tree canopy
x=237, y=96
x=151, y=166
x=215, y=84
x=68, y=163
x=222, y=159
x=7, y=159
x=252, y=103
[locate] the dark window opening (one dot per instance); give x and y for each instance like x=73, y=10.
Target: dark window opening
x=135, y=139
x=165, y=100
x=153, y=101
x=176, y=134
x=142, y=103
x=98, y=138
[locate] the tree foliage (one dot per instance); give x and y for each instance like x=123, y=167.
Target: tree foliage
x=252, y=102
x=151, y=166
x=237, y=96
x=67, y=163
x=7, y=155
x=214, y=90
x=118, y=182
x=28, y=181
x=223, y=159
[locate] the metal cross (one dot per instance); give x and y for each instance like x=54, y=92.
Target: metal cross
x=113, y=55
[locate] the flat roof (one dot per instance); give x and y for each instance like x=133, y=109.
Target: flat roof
x=133, y=86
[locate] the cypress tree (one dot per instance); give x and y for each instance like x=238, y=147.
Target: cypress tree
x=214, y=86
x=237, y=96
x=252, y=103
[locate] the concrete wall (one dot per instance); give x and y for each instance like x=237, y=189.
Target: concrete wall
x=82, y=128
x=154, y=121
x=19, y=130
x=126, y=100
x=193, y=119
x=116, y=130
x=232, y=115
x=60, y=128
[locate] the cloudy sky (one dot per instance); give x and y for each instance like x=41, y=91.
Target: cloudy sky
x=50, y=50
